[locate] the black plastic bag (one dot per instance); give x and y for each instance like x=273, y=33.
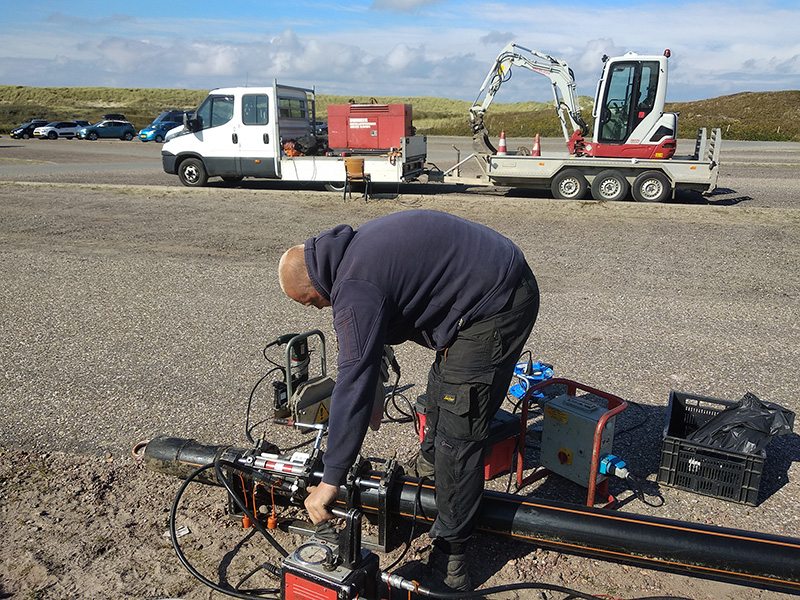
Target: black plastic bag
x=747, y=427
x=310, y=145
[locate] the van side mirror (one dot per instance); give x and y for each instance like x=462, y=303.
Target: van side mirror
x=191, y=124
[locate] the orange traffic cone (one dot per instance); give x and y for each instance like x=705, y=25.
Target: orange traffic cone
x=501, y=148
x=536, y=151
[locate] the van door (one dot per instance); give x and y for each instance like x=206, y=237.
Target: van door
x=257, y=153
x=213, y=129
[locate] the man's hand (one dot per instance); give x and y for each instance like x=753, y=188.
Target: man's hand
x=318, y=500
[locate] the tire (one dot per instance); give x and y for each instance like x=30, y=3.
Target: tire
x=232, y=179
x=192, y=173
x=569, y=184
x=128, y=136
x=159, y=138
x=609, y=185
x=336, y=186
x=92, y=135
x=25, y=136
x=52, y=135
x=651, y=186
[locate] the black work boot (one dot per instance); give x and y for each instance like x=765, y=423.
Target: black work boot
x=450, y=568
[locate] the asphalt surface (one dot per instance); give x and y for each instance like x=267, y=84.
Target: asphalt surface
x=133, y=306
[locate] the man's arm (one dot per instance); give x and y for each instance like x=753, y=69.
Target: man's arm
x=360, y=323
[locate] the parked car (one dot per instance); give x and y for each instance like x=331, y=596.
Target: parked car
x=25, y=131
x=57, y=129
x=321, y=127
x=157, y=130
x=108, y=129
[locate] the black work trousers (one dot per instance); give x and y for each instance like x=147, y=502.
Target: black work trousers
x=466, y=387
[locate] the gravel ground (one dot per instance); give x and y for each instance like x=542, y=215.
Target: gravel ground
x=134, y=307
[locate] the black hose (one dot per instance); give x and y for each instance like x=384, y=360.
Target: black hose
x=229, y=591
x=511, y=587
x=242, y=506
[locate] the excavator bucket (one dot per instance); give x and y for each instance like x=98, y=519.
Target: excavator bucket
x=481, y=143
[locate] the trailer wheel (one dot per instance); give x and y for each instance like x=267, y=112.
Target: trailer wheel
x=569, y=184
x=609, y=185
x=336, y=186
x=192, y=173
x=651, y=186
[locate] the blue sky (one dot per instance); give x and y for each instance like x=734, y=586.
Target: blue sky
x=438, y=48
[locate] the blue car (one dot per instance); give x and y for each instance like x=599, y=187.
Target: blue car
x=108, y=129
x=157, y=130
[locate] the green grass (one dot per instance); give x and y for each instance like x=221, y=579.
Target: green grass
x=140, y=105
x=747, y=115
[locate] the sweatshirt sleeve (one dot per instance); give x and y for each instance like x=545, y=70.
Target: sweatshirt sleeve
x=360, y=323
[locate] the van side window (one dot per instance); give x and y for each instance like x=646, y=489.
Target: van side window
x=215, y=111
x=255, y=109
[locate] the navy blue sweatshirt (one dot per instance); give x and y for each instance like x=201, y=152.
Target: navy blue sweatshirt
x=416, y=275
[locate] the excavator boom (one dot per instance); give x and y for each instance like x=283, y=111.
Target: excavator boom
x=560, y=75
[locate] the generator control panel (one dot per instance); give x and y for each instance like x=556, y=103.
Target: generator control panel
x=569, y=431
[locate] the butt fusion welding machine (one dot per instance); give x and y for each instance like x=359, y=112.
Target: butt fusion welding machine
x=330, y=565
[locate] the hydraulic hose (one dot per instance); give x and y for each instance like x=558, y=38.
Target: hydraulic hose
x=744, y=557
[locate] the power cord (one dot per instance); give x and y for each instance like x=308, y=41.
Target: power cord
x=614, y=466
x=247, y=428
x=229, y=591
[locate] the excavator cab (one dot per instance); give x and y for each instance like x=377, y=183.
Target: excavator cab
x=629, y=117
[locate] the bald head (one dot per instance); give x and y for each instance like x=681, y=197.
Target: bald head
x=294, y=280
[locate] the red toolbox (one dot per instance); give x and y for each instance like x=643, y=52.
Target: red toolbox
x=368, y=126
x=501, y=441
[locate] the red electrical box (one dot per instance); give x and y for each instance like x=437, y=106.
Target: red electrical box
x=368, y=126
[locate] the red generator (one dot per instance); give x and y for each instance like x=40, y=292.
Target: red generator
x=368, y=126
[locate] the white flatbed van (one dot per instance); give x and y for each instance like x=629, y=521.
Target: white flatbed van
x=252, y=132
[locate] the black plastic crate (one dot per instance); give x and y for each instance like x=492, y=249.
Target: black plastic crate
x=686, y=465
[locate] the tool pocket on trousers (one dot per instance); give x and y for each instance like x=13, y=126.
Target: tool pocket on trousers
x=455, y=403
x=460, y=406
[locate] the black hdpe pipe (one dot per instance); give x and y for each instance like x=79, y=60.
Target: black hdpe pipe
x=744, y=557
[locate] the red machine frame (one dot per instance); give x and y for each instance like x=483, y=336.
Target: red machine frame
x=615, y=405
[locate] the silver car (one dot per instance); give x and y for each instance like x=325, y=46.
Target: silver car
x=57, y=129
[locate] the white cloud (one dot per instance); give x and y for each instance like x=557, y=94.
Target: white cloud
x=497, y=38
x=402, y=5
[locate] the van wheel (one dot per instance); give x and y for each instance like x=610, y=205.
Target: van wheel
x=570, y=184
x=336, y=186
x=609, y=185
x=651, y=186
x=192, y=173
